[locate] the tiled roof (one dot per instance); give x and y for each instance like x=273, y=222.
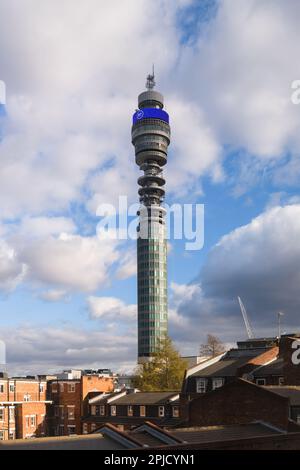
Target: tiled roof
x=102, y=398
x=145, y=398
x=274, y=368
x=226, y=367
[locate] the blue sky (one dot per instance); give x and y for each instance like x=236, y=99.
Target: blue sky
x=69, y=299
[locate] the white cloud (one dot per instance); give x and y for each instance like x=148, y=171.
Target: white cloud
x=71, y=261
x=111, y=308
x=259, y=262
x=70, y=112
x=12, y=270
x=54, y=295
x=34, y=349
x=40, y=227
x=240, y=72
x=194, y=148
x=127, y=265
x=184, y=292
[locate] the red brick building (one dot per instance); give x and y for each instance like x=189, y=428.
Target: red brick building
x=70, y=402
x=23, y=405
x=127, y=409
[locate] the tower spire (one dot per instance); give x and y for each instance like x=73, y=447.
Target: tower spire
x=150, y=84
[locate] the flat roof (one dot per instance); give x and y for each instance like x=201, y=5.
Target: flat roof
x=221, y=433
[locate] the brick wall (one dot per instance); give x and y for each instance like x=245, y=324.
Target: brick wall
x=237, y=403
x=70, y=402
x=291, y=371
x=17, y=395
x=31, y=420
x=94, y=384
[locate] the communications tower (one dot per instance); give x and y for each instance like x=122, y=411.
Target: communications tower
x=151, y=138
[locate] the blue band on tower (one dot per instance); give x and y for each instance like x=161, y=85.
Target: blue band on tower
x=150, y=113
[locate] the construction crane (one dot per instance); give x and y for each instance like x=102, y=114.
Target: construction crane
x=246, y=320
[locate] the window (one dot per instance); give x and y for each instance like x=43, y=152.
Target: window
x=71, y=430
x=11, y=414
x=93, y=427
x=54, y=388
x=2, y=413
x=71, y=412
x=129, y=410
x=161, y=411
x=42, y=388
x=175, y=411
x=85, y=428
x=71, y=387
x=62, y=411
x=61, y=388
x=113, y=410
x=261, y=381
x=93, y=410
x=11, y=435
x=201, y=385
x=1, y=435
x=298, y=419
x=102, y=410
x=217, y=383
x=142, y=411
x=1, y=388
x=33, y=421
x=27, y=397
x=11, y=388
x=281, y=381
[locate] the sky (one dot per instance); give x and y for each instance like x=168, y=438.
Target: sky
x=73, y=70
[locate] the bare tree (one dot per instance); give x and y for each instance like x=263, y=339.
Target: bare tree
x=213, y=347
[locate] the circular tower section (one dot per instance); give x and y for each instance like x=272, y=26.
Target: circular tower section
x=151, y=138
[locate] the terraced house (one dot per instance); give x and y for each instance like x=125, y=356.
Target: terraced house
x=131, y=408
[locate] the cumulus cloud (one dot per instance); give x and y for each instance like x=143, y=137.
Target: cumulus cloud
x=75, y=262
x=241, y=71
x=47, y=253
x=72, y=88
x=12, y=270
x=70, y=113
x=196, y=140
x=127, y=265
x=259, y=262
x=111, y=308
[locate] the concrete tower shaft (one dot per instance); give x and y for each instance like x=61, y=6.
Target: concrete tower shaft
x=151, y=138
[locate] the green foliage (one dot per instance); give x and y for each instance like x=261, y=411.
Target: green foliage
x=165, y=372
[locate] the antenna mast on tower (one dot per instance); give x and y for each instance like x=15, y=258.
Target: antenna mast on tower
x=151, y=80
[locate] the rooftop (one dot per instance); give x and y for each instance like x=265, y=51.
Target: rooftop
x=222, y=433
x=274, y=368
x=146, y=398
x=288, y=391
x=226, y=367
